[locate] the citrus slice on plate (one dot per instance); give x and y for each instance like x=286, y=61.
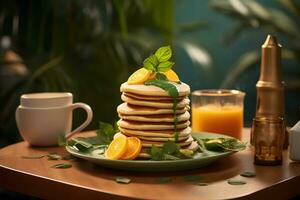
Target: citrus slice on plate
x=139, y=76
x=117, y=148
x=172, y=76
x=134, y=146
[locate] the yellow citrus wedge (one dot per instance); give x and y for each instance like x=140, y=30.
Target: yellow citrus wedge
x=117, y=148
x=139, y=76
x=172, y=76
x=134, y=146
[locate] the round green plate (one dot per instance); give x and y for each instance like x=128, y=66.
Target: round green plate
x=199, y=160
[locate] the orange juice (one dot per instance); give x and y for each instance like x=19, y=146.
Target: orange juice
x=227, y=119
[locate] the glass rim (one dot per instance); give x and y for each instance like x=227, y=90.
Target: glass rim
x=218, y=92
x=268, y=120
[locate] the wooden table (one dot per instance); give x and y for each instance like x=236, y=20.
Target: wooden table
x=87, y=181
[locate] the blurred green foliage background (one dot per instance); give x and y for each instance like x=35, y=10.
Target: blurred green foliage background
x=90, y=47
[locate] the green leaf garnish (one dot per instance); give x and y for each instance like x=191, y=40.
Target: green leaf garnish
x=165, y=66
x=236, y=182
x=163, y=180
x=151, y=63
x=163, y=53
x=80, y=144
x=54, y=156
x=160, y=76
x=248, y=174
x=33, y=156
x=169, y=151
x=159, y=62
x=106, y=132
x=62, y=166
x=167, y=86
x=202, y=183
x=122, y=179
x=220, y=144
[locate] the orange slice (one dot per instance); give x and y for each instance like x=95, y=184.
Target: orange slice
x=134, y=147
x=139, y=76
x=172, y=76
x=117, y=148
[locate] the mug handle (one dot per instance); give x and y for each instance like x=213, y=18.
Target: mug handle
x=89, y=117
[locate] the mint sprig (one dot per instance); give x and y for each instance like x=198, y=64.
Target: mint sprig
x=159, y=62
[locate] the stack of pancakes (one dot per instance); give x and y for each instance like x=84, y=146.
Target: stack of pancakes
x=147, y=113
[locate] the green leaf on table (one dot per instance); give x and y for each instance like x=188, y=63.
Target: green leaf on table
x=151, y=63
x=122, y=179
x=236, y=182
x=163, y=53
x=202, y=183
x=62, y=166
x=165, y=66
x=105, y=133
x=33, y=156
x=54, y=156
x=163, y=180
x=248, y=174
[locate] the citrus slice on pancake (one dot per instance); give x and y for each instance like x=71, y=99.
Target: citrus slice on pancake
x=134, y=146
x=139, y=76
x=171, y=75
x=117, y=148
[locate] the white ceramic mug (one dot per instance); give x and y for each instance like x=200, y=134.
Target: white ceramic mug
x=43, y=117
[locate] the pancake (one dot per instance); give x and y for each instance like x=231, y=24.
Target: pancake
x=150, y=126
x=158, y=133
x=183, y=90
x=155, y=104
x=187, y=142
x=145, y=155
x=127, y=109
x=153, y=98
x=156, y=118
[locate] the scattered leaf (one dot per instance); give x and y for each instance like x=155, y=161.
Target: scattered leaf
x=236, y=182
x=248, y=174
x=54, y=157
x=202, y=184
x=62, y=140
x=122, y=179
x=62, y=166
x=33, y=156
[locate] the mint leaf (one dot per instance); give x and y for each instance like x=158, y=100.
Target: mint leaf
x=105, y=133
x=80, y=144
x=122, y=179
x=33, y=156
x=236, y=182
x=170, y=88
x=54, y=156
x=165, y=66
x=62, y=166
x=160, y=76
x=163, y=53
x=151, y=63
x=156, y=153
x=170, y=147
x=248, y=174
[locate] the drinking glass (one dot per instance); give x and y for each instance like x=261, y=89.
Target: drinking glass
x=218, y=111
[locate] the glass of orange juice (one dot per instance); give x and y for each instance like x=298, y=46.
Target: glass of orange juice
x=218, y=111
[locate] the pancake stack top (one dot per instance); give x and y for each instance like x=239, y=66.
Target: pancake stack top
x=148, y=113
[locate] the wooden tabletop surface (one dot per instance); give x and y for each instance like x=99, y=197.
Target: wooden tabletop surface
x=88, y=181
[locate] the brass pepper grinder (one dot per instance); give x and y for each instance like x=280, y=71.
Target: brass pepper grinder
x=268, y=128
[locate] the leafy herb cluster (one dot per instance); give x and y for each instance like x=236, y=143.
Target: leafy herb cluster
x=159, y=62
x=220, y=144
x=169, y=151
